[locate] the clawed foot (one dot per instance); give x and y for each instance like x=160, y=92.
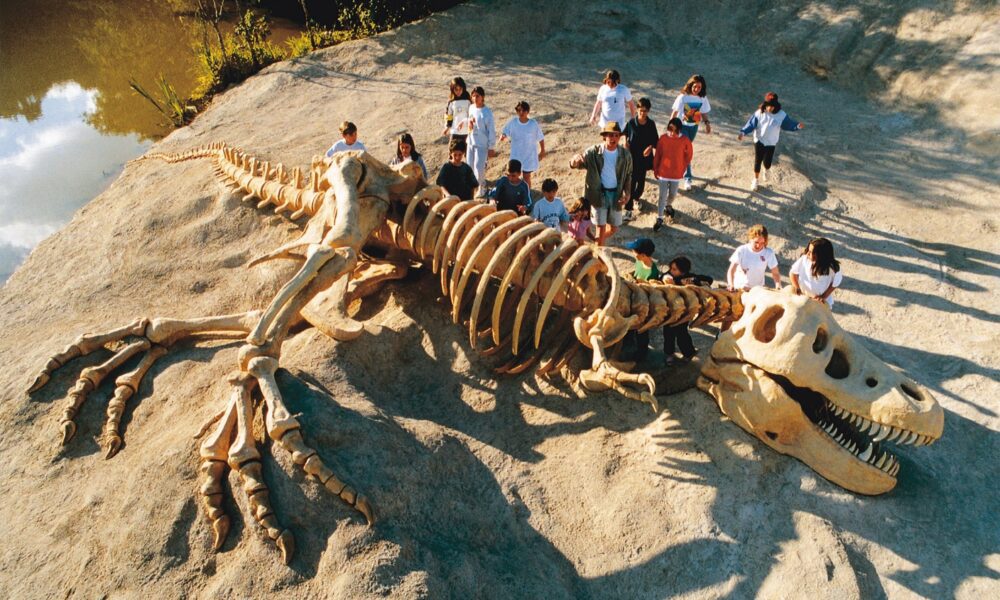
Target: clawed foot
x=608, y=376
x=230, y=443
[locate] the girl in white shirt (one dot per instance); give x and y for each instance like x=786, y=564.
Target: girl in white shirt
x=817, y=273
x=751, y=261
x=457, y=111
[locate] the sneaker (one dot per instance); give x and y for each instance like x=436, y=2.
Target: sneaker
x=686, y=186
x=627, y=216
x=670, y=213
x=672, y=361
x=753, y=184
x=658, y=225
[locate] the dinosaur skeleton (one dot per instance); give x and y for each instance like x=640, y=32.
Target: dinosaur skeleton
x=503, y=274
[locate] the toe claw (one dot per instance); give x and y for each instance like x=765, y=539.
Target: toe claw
x=286, y=543
x=220, y=528
x=39, y=383
x=112, y=445
x=68, y=429
x=365, y=508
x=651, y=400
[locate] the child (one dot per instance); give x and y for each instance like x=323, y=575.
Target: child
x=550, y=210
x=680, y=274
x=640, y=139
x=406, y=150
x=645, y=269
x=612, y=99
x=456, y=177
x=512, y=192
x=817, y=272
x=349, y=133
x=673, y=156
x=692, y=106
x=457, y=111
x=766, y=125
x=750, y=262
x=580, y=225
x=482, y=137
x=524, y=134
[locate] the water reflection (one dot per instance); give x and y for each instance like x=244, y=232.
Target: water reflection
x=52, y=165
x=68, y=119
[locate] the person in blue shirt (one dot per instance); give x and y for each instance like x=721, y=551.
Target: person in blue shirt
x=766, y=124
x=511, y=191
x=549, y=209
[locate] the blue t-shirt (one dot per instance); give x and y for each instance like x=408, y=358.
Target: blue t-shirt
x=509, y=196
x=551, y=213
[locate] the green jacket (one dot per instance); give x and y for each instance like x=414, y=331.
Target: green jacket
x=593, y=162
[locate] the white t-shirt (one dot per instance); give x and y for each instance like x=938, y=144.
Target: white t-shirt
x=483, y=133
x=814, y=286
x=342, y=146
x=459, y=112
x=609, y=179
x=524, y=138
x=752, y=266
x=613, y=103
x=690, y=108
x=768, y=127
x=551, y=213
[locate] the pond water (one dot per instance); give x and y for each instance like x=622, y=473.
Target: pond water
x=68, y=119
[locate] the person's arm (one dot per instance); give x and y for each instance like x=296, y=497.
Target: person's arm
x=448, y=118
x=597, y=110
x=626, y=182
x=688, y=151
x=731, y=277
x=708, y=125
x=790, y=124
x=541, y=149
x=491, y=134
x=631, y=107
x=750, y=126
x=795, y=283
x=776, y=276
x=471, y=180
x=590, y=232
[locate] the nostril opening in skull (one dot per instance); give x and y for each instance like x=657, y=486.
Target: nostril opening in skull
x=819, y=344
x=771, y=435
x=766, y=326
x=871, y=382
x=838, y=367
x=912, y=393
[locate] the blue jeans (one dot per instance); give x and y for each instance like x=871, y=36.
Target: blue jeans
x=689, y=131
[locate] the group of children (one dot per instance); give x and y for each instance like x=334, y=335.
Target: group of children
x=473, y=137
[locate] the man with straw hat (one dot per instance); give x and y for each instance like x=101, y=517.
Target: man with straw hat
x=609, y=175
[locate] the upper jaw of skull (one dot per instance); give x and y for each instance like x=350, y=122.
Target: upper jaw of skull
x=787, y=373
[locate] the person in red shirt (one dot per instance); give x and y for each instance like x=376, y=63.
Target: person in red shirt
x=672, y=157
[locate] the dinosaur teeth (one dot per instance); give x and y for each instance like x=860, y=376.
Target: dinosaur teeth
x=865, y=425
x=907, y=437
x=882, y=460
x=894, y=434
x=867, y=453
x=895, y=469
x=883, y=432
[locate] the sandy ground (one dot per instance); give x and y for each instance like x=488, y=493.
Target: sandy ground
x=502, y=488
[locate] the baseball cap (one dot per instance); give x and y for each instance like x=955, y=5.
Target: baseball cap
x=642, y=246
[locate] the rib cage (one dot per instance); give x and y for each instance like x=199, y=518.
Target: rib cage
x=517, y=263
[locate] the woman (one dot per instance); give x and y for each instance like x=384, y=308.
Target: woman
x=406, y=150
x=692, y=106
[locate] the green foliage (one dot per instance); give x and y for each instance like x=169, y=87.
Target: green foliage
x=170, y=105
x=236, y=56
x=365, y=18
x=314, y=39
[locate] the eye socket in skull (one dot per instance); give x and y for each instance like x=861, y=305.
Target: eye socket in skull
x=871, y=382
x=819, y=344
x=766, y=326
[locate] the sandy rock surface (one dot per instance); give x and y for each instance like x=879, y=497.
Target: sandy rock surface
x=504, y=488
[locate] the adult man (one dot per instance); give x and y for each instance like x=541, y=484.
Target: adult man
x=608, y=180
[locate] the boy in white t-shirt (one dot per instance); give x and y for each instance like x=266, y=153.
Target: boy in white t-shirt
x=349, y=133
x=527, y=144
x=751, y=261
x=549, y=209
x=817, y=273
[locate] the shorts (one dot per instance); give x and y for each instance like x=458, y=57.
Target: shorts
x=610, y=213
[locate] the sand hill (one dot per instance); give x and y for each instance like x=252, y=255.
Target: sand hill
x=512, y=487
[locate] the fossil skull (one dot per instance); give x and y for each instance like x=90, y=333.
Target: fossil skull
x=789, y=375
